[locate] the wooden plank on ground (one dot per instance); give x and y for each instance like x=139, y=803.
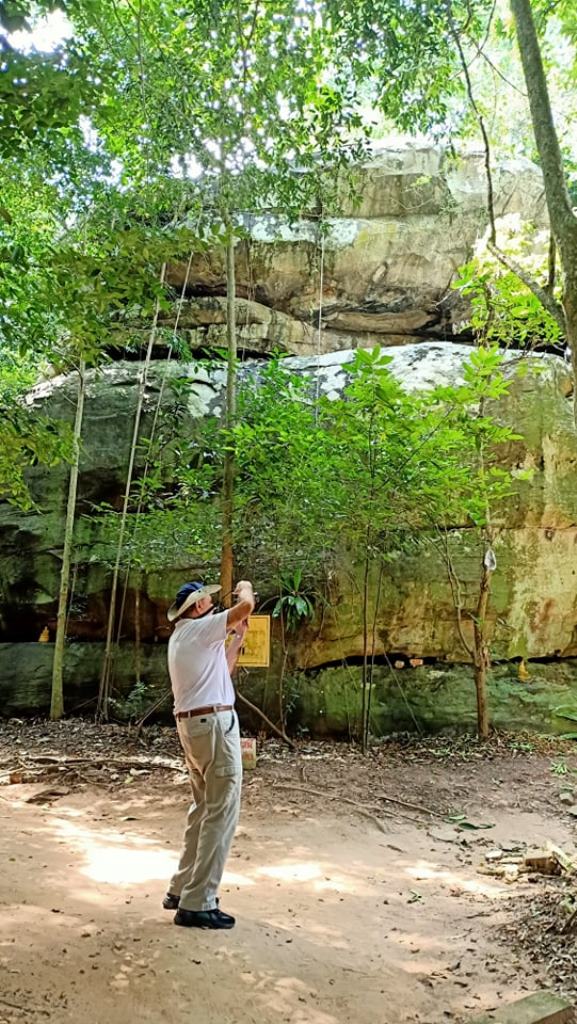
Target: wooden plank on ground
x=538, y=1008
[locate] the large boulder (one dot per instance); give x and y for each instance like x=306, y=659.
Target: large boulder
x=328, y=702
x=534, y=606
x=376, y=266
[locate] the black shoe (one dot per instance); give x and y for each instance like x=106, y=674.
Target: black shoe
x=204, y=918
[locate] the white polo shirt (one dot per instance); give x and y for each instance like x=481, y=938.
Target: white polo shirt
x=197, y=663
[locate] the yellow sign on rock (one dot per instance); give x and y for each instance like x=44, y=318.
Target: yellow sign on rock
x=255, y=652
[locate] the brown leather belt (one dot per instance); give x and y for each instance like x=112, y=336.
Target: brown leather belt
x=209, y=710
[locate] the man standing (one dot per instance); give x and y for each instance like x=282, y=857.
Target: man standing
x=200, y=672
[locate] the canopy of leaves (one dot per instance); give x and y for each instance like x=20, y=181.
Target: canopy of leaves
x=503, y=310
x=366, y=472
x=153, y=128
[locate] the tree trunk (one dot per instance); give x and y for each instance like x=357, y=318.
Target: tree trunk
x=226, y=563
x=482, y=656
x=365, y=672
x=481, y=689
x=563, y=221
x=57, y=695
x=561, y=215
x=137, y=637
x=570, y=308
x=371, y=672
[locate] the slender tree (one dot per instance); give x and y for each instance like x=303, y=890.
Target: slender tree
x=476, y=499
x=227, y=555
x=561, y=211
x=57, y=693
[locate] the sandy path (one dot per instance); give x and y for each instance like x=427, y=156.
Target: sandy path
x=336, y=921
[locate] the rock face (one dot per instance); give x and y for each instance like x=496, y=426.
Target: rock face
x=436, y=698
x=534, y=609
x=432, y=698
x=534, y=604
x=381, y=273
x=377, y=269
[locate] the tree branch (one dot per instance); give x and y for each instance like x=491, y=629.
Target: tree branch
x=551, y=265
x=543, y=294
x=481, y=123
x=455, y=585
x=563, y=220
x=264, y=717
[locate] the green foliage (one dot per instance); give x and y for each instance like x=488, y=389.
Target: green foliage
x=71, y=283
x=26, y=439
x=483, y=485
x=295, y=605
x=362, y=472
x=236, y=92
x=405, y=53
x=167, y=529
x=503, y=309
x=135, y=704
x=283, y=476
x=388, y=454
x=42, y=95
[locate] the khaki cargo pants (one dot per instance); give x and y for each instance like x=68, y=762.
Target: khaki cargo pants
x=211, y=745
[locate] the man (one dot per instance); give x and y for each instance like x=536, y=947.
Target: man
x=200, y=672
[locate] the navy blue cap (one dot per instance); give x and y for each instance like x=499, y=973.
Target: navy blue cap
x=185, y=590
x=188, y=595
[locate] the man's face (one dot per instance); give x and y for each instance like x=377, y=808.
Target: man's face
x=204, y=604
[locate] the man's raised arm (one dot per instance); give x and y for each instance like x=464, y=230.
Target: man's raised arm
x=237, y=619
x=244, y=606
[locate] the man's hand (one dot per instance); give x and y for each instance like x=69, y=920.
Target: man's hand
x=244, y=606
x=243, y=585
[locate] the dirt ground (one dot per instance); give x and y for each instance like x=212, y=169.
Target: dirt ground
x=345, y=913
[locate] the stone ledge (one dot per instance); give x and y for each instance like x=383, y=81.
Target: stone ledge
x=538, y=1008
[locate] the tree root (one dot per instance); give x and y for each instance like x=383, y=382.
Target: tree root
x=389, y=799
x=45, y=763
x=367, y=810
x=27, y=1009
x=271, y=725
x=570, y=923
x=414, y=807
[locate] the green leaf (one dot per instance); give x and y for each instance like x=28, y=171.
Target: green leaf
x=461, y=822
